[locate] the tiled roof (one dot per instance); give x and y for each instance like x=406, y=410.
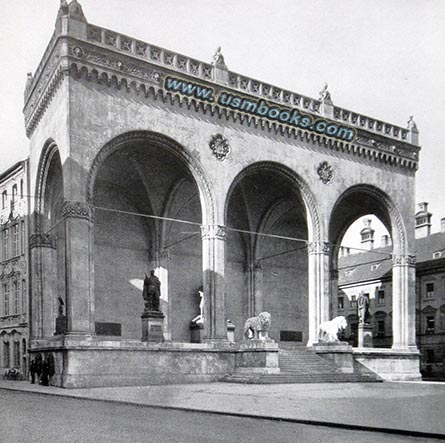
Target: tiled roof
x=377, y=264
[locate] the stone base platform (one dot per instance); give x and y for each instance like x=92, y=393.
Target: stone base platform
x=390, y=364
x=86, y=362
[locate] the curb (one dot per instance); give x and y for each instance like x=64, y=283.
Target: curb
x=348, y=426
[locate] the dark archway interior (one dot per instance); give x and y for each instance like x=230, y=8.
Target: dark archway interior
x=51, y=217
x=145, y=179
x=265, y=273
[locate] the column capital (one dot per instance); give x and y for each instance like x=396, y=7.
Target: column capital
x=404, y=260
x=77, y=209
x=42, y=241
x=213, y=232
x=318, y=247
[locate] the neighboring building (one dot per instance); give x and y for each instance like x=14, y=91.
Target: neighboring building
x=14, y=276
x=371, y=273
x=145, y=159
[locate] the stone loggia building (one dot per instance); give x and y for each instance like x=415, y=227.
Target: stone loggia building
x=142, y=158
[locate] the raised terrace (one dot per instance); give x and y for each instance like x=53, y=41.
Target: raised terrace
x=113, y=58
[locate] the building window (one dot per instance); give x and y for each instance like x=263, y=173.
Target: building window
x=14, y=193
x=15, y=240
x=6, y=299
x=341, y=303
x=22, y=237
x=6, y=354
x=16, y=294
x=4, y=199
x=353, y=301
x=429, y=289
x=24, y=304
x=430, y=323
x=381, y=328
x=430, y=356
x=21, y=188
x=5, y=244
x=16, y=354
x=380, y=297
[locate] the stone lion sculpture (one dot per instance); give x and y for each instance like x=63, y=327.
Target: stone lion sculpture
x=328, y=330
x=256, y=328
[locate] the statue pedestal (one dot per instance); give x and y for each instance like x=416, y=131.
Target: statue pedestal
x=365, y=336
x=230, y=331
x=60, y=325
x=196, y=332
x=152, y=326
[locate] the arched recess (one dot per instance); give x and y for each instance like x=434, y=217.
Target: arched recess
x=354, y=203
x=270, y=272
x=134, y=175
x=48, y=247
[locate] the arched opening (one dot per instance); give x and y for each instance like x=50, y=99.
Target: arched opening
x=365, y=230
x=143, y=191
x=49, y=227
x=267, y=265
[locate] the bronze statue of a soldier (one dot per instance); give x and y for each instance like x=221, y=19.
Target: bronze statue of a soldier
x=152, y=292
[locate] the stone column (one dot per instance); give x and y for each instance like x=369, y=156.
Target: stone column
x=404, y=302
x=213, y=261
x=78, y=219
x=318, y=306
x=43, y=285
x=255, y=290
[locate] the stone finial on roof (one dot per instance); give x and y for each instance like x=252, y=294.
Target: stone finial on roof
x=75, y=11
x=411, y=123
x=218, y=59
x=413, y=134
x=325, y=95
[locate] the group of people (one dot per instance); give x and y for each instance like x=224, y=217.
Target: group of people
x=41, y=369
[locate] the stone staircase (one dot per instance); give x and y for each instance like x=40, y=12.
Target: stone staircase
x=300, y=365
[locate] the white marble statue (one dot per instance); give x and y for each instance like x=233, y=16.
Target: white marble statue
x=328, y=330
x=256, y=328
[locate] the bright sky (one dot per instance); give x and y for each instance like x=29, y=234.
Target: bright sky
x=384, y=59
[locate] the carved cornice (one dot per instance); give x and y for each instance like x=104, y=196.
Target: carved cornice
x=125, y=63
x=75, y=209
x=41, y=241
x=209, y=232
x=404, y=260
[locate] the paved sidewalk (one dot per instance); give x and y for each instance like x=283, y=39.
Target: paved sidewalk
x=416, y=407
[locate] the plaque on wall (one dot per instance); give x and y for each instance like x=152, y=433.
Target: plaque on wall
x=291, y=336
x=114, y=329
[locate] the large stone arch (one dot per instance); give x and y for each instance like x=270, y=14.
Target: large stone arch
x=198, y=173
x=315, y=227
x=272, y=216
x=363, y=199
x=158, y=176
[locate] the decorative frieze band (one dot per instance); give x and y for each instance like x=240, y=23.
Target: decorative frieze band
x=77, y=210
x=404, y=260
x=213, y=232
x=318, y=247
x=41, y=241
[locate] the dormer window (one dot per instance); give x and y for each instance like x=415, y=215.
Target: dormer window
x=375, y=266
x=437, y=254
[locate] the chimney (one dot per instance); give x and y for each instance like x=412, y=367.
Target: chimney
x=423, y=221
x=442, y=224
x=367, y=234
x=386, y=240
